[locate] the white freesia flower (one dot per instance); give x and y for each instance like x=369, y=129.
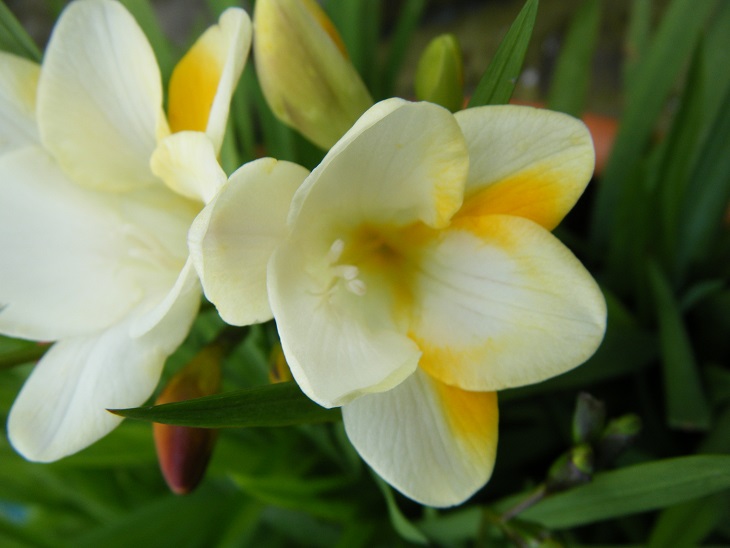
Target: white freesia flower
x=416, y=275
x=93, y=243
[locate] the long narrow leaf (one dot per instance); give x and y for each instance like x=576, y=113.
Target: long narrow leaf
x=634, y=489
x=573, y=69
x=14, y=38
x=500, y=78
x=272, y=405
x=656, y=74
x=687, y=405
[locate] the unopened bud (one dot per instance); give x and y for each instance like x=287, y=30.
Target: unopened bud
x=619, y=434
x=183, y=452
x=589, y=419
x=572, y=468
x=305, y=74
x=440, y=73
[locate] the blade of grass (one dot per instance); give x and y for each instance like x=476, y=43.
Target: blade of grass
x=407, y=23
x=634, y=489
x=280, y=404
x=656, y=73
x=14, y=38
x=687, y=406
x=637, y=38
x=573, y=69
x=500, y=78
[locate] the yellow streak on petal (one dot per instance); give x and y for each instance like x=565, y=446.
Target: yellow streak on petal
x=538, y=194
x=447, y=364
x=472, y=417
x=193, y=86
x=326, y=23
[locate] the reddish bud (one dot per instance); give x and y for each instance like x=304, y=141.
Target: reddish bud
x=183, y=452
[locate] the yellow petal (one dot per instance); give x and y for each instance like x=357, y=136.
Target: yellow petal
x=528, y=162
x=433, y=442
x=203, y=81
x=500, y=302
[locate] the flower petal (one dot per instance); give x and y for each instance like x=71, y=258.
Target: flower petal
x=187, y=163
x=434, y=443
x=18, y=84
x=203, y=81
x=502, y=303
x=62, y=406
x=68, y=269
x=527, y=162
x=100, y=97
x=402, y=162
x=337, y=343
x=234, y=236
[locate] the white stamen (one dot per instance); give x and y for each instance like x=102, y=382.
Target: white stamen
x=335, y=251
x=347, y=271
x=357, y=286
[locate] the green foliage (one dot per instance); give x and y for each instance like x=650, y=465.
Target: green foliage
x=283, y=472
x=500, y=78
x=280, y=404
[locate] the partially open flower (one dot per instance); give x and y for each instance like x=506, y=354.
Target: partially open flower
x=305, y=74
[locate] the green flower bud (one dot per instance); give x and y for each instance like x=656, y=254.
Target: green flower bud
x=617, y=436
x=440, y=73
x=589, y=419
x=572, y=468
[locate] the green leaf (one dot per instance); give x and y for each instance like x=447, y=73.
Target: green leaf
x=17, y=352
x=708, y=193
x=14, y=38
x=637, y=37
x=634, y=489
x=410, y=15
x=280, y=404
x=573, y=68
x=656, y=73
x=400, y=523
x=688, y=524
x=500, y=78
x=687, y=405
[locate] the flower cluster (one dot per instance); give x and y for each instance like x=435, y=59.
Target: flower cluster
x=411, y=274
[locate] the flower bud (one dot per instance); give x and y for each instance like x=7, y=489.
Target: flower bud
x=183, y=452
x=589, y=419
x=573, y=468
x=440, y=73
x=305, y=74
x=618, y=435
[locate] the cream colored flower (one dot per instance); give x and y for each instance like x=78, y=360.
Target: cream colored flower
x=93, y=243
x=415, y=275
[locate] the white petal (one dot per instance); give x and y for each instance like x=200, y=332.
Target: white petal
x=67, y=269
x=434, y=443
x=502, y=303
x=202, y=84
x=339, y=340
x=62, y=406
x=186, y=289
x=233, y=238
x=100, y=97
x=187, y=163
x=401, y=163
x=18, y=84
x=529, y=162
